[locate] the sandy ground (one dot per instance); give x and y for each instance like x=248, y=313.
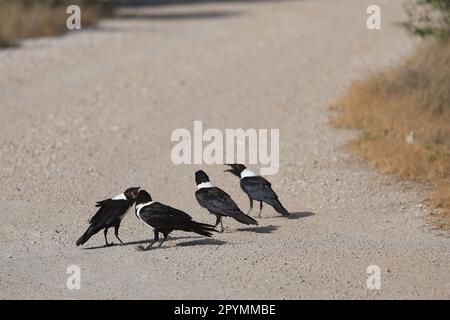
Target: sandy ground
x=86, y=115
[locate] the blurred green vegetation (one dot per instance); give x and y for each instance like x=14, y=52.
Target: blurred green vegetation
x=32, y=18
x=429, y=18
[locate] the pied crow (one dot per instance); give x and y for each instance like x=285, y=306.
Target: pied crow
x=218, y=202
x=110, y=214
x=164, y=219
x=257, y=188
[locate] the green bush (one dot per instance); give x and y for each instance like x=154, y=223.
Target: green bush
x=33, y=18
x=429, y=18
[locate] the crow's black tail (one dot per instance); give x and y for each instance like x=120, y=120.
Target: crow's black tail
x=86, y=236
x=245, y=219
x=203, y=229
x=276, y=204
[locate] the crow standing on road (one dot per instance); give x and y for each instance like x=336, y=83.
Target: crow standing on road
x=218, y=202
x=257, y=188
x=164, y=219
x=110, y=214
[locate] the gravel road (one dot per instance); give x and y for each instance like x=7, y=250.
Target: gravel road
x=88, y=114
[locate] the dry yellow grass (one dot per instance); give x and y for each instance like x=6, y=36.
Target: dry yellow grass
x=24, y=18
x=411, y=97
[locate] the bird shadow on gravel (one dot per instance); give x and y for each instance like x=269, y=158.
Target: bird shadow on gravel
x=118, y=245
x=299, y=215
x=201, y=242
x=265, y=229
x=179, y=15
x=196, y=241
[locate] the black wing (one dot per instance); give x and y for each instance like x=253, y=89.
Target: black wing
x=100, y=203
x=216, y=200
x=160, y=216
x=109, y=211
x=258, y=188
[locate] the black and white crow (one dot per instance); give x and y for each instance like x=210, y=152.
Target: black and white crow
x=257, y=188
x=218, y=202
x=164, y=219
x=110, y=214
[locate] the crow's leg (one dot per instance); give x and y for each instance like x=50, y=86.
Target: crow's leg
x=116, y=232
x=260, y=209
x=217, y=221
x=155, y=239
x=164, y=239
x=105, y=232
x=251, y=205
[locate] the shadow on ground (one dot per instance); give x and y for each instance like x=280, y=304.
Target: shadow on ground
x=299, y=215
x=178, y=15
x=138, y=242
x=265, y=229
x=183, y=15
x=113, y=244
x=202, y=242
x=195, y=241
x=182, y=2
x=292, y=215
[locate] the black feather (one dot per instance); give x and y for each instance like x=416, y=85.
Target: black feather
x=258, y=188
x=108, y=215
x=166, y=219
x=218, y=202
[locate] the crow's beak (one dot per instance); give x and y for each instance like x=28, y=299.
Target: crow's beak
x=228, y=170
x=136, y=191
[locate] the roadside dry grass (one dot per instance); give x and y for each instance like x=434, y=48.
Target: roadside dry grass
x=411, y=99
x=25, y=18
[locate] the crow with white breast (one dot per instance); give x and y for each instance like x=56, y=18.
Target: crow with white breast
x=218, y=202
x=257, y=188
x=164, y=219
x=109, y=215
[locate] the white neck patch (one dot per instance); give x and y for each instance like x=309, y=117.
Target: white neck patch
x=120, y=197
x=138, y=207
x=205, y=185
x=247, y=173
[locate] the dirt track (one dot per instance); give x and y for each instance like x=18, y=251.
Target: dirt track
x=88, y=114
